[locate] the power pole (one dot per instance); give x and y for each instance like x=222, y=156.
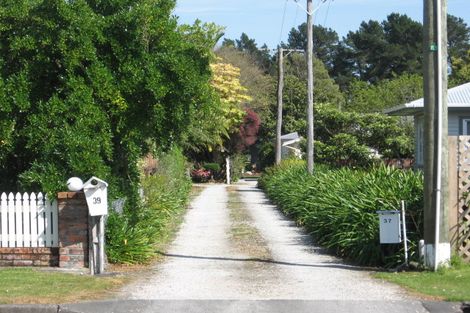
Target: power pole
x=436, y=229
x=280, y=86
x=310, y=118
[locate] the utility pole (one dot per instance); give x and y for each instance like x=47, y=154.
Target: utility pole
x=310, y=118
x=436, y=228
x=280, y=86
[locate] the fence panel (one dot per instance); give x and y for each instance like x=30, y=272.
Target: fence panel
x=28, y=221
x=34, y=220
x=18, y=207
x=11, y=220
x=4, y=222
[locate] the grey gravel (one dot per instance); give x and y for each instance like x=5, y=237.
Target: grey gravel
x=203, y=263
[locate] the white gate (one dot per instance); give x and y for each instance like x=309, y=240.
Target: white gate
x=28, y=221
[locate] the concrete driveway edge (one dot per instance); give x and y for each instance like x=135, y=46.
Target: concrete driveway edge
x=29, y=308
x=262, y=306
x=229, y=306
x=438, y=307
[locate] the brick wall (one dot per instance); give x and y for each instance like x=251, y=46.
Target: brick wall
x=29, y=256
x=73, y=238
x=73, y=230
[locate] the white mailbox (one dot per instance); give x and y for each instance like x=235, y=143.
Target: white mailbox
x=390, y=226
x=96, y=194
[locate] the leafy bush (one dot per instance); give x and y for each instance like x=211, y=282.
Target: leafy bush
x=338, y=206
x=345, y=138
x=132, y=236
x=343, y=149
x=88, y=87
x=200, y=175
x=213, y=167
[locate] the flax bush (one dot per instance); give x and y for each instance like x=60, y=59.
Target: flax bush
x=338, y=206
x=132, y=237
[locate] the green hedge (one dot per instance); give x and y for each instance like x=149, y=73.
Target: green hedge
x=338, y=206
x=132, y=236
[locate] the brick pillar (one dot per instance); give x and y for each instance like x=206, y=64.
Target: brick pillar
x=73, y=230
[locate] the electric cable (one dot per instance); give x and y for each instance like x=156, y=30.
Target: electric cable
x=296, y=15
x=327, y=11
x=283, y=20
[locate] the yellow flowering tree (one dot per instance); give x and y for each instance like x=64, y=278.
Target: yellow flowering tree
x=226, y=81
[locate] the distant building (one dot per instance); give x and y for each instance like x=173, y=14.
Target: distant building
x=458, y=102
x=290, y=146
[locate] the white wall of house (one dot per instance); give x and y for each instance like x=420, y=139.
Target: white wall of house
x=459, y=124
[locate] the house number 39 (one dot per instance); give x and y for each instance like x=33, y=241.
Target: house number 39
x=96, y=200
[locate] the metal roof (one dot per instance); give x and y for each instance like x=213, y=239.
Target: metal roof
x=290, y=136
x=457, y=97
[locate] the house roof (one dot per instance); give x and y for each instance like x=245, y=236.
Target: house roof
x=290, y=136
x=290, y=139
x=457, y=97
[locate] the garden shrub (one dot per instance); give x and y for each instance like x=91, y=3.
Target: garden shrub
x=338, y=206
x=214, y=167
x=237, y=166
x=200, y=175
x=133, y=235
x=215, y=170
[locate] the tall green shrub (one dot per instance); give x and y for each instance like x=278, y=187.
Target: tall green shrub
x=132, y=236
x=338, y=206
x=89, y=87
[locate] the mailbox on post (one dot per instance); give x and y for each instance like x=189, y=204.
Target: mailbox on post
x=96, y=193
x=390, y=226
x=393, y=228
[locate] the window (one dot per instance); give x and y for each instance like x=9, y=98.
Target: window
x=466, y=126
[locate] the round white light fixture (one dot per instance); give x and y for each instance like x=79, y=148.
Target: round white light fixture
x=74, y=184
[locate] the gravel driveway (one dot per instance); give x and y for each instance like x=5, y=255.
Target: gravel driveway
x=234, y=244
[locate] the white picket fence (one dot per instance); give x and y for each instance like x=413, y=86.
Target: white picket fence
x=28, y=221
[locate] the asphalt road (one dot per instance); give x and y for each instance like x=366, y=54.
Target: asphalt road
x=237, y=306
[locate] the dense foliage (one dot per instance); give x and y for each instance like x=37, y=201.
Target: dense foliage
x=378, y=49
x=348, y=138
x=460, y=70
x=386, y=135
x=89, y=87
x=338, y=206
x=365, y=97
x=132, y=235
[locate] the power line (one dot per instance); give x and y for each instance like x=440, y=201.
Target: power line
x=296, y=14
x=283, y=19
x=327, y=11
x=322, y=2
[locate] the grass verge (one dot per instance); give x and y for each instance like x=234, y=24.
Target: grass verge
x=33, y=286
x=452, y=284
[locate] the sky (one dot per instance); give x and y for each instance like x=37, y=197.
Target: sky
x=266, y=22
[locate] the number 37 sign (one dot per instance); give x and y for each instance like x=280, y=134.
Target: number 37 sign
x=390, y=226
x=96, y=193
